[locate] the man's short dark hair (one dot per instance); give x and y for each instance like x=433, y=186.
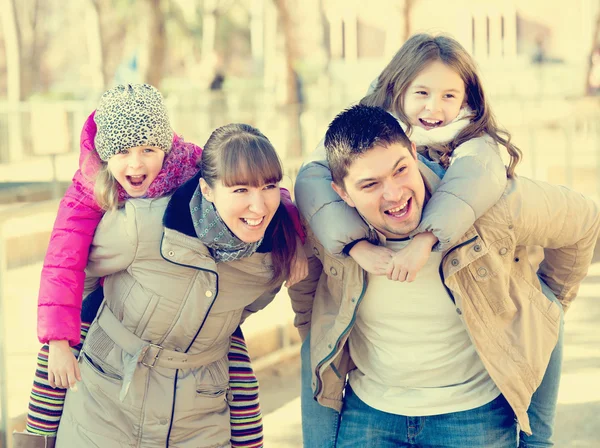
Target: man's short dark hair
x=355, y=131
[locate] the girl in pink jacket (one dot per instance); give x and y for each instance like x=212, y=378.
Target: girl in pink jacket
x=131, y=134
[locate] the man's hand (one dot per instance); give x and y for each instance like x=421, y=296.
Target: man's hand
x=299, y=267
x=407, y=262
x=63, y=370
x=373, y=259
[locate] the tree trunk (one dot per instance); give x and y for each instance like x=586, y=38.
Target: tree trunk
x=101, y=9
x=94, y=41
x=30, y=59
x=408, y=4
x=209, y=30
x=595, y=46
x=290, y=51
x=157, y=37
x=12, y=42
x=112, y=32
x=325, y=30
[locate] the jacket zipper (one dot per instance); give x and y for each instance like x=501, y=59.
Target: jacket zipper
x=335, y=348
x=195, y=336
x=346, y=330
x=441, y=269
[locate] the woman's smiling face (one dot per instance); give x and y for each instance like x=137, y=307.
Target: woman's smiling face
x=246, y=210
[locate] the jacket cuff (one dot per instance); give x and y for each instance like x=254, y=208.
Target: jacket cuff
x=348, y=247
x=59, y=323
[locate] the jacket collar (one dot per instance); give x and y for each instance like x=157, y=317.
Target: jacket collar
x=177, y=215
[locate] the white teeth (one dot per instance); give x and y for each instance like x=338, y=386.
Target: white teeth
x=431, y=121
x=252, y=222
x=398, y=209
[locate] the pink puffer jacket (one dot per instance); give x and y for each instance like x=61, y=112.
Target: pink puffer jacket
x=63, y=274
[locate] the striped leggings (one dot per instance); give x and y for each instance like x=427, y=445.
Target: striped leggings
x=46, y=403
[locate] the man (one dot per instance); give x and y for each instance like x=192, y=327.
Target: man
x=453, y=357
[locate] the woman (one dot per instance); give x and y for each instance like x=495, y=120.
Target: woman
x=154, y=365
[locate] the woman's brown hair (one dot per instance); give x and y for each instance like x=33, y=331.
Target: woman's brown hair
x=416, y=53
x=239, y=154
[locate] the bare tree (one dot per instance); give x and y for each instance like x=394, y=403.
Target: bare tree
x=24, y=46
x=290, y=50
x=408, y=5
x=12, y=42
x=157, y=38
x=112, y=32
x=595, y=47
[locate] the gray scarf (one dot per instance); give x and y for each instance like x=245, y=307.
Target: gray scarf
x=213, y=232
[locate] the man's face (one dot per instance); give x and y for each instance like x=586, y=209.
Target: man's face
x=385, y=186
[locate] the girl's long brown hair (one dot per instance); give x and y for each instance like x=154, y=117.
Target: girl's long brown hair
x=416, y=53
x=239, y=154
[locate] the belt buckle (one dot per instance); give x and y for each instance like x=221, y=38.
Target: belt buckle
x=153, y=362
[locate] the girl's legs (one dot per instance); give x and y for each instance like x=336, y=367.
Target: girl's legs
x=244, y=408
x=45, y=403
x=542, y=409
x=319, y=423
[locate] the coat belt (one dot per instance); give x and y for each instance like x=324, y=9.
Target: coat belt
x=153, y=355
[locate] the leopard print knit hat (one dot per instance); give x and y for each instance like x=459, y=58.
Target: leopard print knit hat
x=131, y=115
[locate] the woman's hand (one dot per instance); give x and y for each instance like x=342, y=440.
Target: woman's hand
x=299, y=267
x=63, y=370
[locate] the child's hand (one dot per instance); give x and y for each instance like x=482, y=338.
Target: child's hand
x=63, y=370
x=373, y=259
x=407, y=262
x=299, y=267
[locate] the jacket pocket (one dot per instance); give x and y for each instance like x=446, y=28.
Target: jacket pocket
x=102, y=369
x=334, y=270
x=212, y=385
x=491, y=274
x=102, y=354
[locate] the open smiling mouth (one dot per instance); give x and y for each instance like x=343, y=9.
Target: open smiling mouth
x=253, y=222
x=136, y=181
x=400, y=211
x=430, y=124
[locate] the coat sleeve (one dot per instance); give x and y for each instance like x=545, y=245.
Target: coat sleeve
x=260, y=303
x=62, y=280
x=302, y=294
x=566, y=224
x=473, y=183
x=333, y=222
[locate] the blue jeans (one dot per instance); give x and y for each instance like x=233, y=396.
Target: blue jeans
x=320, y=424
x=491, y=425
x=542, y=409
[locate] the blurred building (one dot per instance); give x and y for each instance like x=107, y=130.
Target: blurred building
x=505, y=37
